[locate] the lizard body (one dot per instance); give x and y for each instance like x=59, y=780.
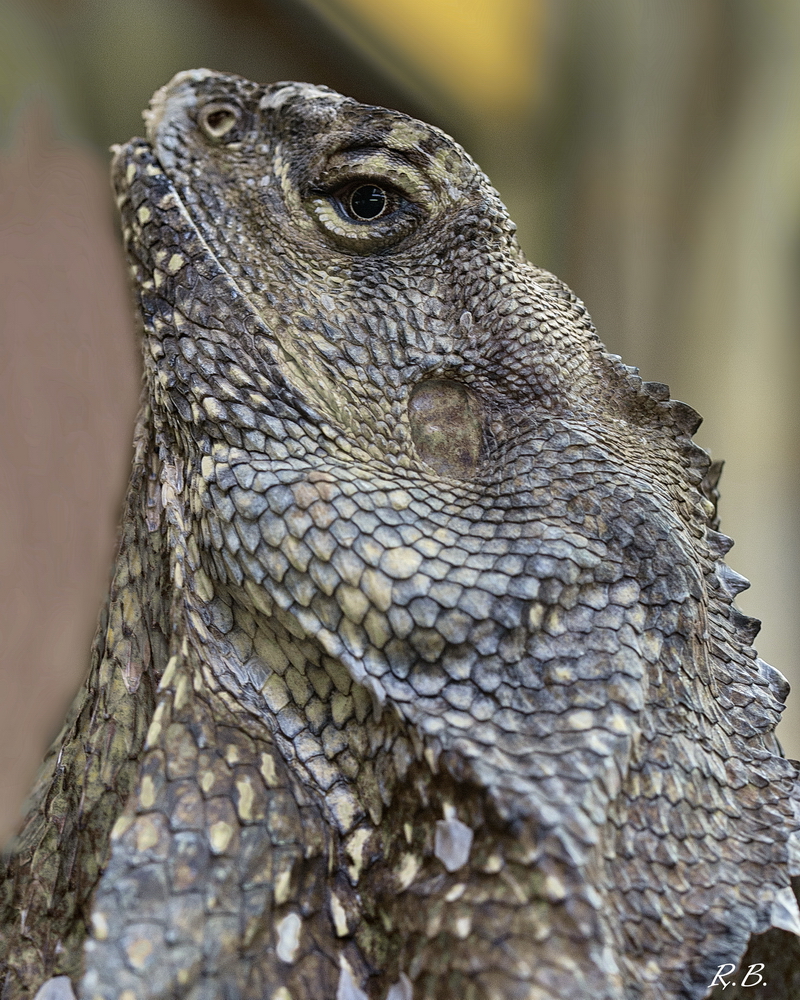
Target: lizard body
x=420, y=674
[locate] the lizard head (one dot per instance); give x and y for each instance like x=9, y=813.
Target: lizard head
x=412, y=468
x=380, y=258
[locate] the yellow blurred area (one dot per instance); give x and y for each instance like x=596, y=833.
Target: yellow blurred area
x=481, y=54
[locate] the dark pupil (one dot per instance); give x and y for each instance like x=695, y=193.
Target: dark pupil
x=368, y=202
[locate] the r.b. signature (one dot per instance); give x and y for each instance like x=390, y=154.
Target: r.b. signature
x=753, y=976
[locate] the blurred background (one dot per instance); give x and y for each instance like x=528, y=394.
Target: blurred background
x=648, y=149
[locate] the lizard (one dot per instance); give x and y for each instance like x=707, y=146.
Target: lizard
x=420, y=673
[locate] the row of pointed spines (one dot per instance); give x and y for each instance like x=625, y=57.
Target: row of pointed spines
x=685, y=421
x=741, y=667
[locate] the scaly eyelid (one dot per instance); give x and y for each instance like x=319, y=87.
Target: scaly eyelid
x=381, y=166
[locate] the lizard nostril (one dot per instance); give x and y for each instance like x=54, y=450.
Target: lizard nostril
x=217, y=120
x=446, y=420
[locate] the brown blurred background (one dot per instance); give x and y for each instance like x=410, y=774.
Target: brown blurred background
x=648, y=149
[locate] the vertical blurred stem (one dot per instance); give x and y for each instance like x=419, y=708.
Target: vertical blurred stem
x=741, y=322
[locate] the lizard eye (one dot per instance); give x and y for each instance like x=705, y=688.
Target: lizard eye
x=217, y=120
x=364, y=214
x=366, y=202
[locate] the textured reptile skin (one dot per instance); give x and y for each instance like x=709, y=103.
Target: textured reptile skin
x=420, y=675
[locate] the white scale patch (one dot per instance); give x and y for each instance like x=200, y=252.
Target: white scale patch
x=288, y=931
x=784, y=913
x=347, y=988
x=453, y=841
x=401, y=990
x=305, y=91
x=58, y=988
